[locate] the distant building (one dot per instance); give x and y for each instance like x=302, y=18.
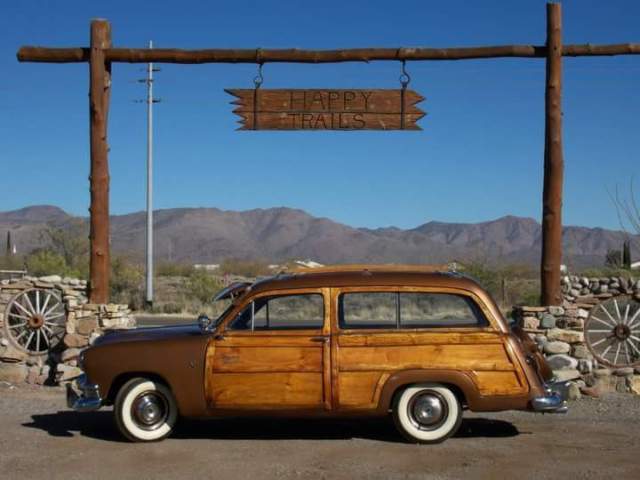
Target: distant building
x=207, y=267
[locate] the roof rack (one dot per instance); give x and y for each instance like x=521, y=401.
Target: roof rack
x=443, y=268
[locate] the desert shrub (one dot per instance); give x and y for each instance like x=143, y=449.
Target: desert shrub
x=202, y=286
x=171, y=269
x=244, y=268
x=11, y=262
x=72, y=243
x=127, y=280
x=172, y=308
x=46, y=262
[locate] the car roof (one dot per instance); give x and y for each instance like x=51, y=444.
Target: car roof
x=366, y=277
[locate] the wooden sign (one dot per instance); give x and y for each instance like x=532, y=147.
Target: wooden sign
x=286, y=109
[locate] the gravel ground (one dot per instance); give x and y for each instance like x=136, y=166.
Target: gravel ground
x=41, y=438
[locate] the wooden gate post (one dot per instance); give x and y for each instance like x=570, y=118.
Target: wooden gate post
x=99, y=89
x=553, y=162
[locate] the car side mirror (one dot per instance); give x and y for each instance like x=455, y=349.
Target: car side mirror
x=205, y=323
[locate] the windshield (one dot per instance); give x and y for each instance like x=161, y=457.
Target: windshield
x=224, y=300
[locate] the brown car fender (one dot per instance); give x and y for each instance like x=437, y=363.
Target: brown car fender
x=463, y=385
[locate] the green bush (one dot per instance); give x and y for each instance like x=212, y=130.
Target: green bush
x=46, y=262
x=127, y=280
x=202, y=286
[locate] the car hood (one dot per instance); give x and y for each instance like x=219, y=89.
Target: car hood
x=149, y=333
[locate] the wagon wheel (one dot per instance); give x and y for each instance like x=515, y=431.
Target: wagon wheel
x=612, y=332
x=35, y=320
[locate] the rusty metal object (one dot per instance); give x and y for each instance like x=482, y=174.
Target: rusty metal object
x=612, y=332
x=99, y=92
x=35, y=320
x=327, y=109
x=553, y=163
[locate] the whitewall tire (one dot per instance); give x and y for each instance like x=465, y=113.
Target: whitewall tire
x=145, y=410
x=427, y=413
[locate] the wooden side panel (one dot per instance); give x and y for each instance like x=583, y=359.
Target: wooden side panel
x=415, y=337
x=357, y=388
x=457, y=357
x=272, y=359
x=363, y=358
x=267, y=390
x=498, y=383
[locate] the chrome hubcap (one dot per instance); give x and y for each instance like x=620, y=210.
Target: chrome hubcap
x=427, y=410
x=149, y=410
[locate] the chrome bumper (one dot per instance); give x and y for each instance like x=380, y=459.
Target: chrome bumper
x=554, y=400
x=83, y=396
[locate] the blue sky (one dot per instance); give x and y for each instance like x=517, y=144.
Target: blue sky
x=479, y=156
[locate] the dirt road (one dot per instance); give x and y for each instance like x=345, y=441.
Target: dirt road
x=40, y=438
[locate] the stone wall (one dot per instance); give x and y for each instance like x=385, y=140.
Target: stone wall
x=82, y=324
x=559, y=334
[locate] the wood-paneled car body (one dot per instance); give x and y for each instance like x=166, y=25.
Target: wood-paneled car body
x=421, y=346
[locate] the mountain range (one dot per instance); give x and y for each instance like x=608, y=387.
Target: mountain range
x=209, y=235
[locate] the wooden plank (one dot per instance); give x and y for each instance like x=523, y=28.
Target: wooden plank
x=275, y=359
x=498, y=383
x=417, y=338
x=393, y=358
x=265, y=390
x=329, y=121
x=553, y=163
x=359, y=388
x=99, y=93
x=325, y=100
x=327, y=109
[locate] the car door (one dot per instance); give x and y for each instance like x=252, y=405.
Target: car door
x=273, y=354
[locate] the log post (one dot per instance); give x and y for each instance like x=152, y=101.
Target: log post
x=99, y=89
x=553, y=162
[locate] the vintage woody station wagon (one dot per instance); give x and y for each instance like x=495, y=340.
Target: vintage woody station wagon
x=352, y=340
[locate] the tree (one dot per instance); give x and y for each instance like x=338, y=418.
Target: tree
x=613, y=259
x=626, y=255
x=9, y=250
x=72, y=243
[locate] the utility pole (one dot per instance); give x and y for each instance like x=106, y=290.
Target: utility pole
x=149, y=231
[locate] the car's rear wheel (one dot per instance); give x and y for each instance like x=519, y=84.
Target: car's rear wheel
x=145, y=410
x=427, y=413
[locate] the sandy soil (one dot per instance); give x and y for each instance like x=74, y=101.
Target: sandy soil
x=41, y=438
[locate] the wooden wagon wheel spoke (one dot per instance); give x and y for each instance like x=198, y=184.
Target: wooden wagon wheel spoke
x=614, y=339
x=602, y=321
x=46, y=302
x=35, y=320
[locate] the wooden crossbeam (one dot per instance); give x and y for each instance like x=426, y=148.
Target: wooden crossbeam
x=174, y=55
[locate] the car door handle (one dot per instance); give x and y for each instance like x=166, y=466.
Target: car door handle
x=320, y=339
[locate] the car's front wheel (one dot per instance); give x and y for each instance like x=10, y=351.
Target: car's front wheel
x=427, y=413
x=145, y=410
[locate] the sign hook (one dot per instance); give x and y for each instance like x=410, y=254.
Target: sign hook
x=258, y=79
x=404, y=76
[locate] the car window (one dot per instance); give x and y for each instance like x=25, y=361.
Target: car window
x=368, y=310
x=407, y=310
x=438, y=310
x=305, y=311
